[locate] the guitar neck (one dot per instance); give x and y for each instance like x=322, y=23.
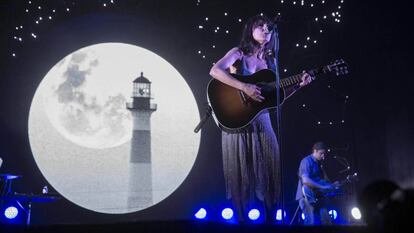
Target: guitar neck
x=294, y=79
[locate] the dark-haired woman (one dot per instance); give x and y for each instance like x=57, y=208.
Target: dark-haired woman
x=251, y=158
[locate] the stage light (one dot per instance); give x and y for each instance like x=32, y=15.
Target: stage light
x=254, y=214
x=356, y=213
x=11, y=212
x=201, y=213
x=227, y=213
x=302, y=216
x=333, y=214
x=279, y=214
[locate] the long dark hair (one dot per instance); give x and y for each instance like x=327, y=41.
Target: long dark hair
x=248, y=45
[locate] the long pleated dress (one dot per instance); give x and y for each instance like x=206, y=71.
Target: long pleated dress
x=251, y=161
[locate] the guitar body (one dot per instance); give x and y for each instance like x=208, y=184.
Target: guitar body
x=233, y=109
x=314, y=195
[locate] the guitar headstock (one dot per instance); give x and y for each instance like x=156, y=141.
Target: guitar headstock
x=339, y=67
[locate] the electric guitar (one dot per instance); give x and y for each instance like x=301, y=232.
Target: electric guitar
x=314, y=194
x=234, y=110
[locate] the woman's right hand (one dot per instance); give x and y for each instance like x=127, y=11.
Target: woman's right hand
x=253, y=92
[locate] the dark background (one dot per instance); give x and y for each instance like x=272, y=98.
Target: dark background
x=374, y=38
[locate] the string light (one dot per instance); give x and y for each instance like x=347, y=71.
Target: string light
x=327, y=123
x=321, y=9
x=52, y=8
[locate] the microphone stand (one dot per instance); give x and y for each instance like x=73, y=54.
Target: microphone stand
x=275, y=38
x=204, y=119
x=344, y=162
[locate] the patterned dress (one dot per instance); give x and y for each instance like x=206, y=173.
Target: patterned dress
x=251, y=161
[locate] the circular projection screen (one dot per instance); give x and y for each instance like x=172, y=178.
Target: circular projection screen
x=86, y=141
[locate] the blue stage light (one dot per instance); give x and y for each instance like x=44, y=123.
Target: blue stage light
x=11, y=212
x=356, y=213
x=201, y=213
x=303, y=216
x=279, y=214
x=227, y=213
x=333, y=214
x=254, y=214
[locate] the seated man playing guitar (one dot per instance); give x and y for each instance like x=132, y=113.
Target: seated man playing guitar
x=313, y=181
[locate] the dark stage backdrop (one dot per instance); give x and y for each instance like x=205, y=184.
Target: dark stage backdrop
x=376, y=136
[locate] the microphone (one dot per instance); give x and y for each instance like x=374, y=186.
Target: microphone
x=274, y=22
x=274, y=43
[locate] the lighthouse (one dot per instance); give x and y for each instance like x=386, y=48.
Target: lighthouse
x=140, y=172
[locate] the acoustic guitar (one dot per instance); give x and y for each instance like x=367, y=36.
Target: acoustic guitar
x=234, y=110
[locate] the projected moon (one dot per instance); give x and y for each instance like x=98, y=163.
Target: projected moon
x=87, y=143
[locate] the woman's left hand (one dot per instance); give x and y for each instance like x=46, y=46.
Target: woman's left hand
x=306, y=79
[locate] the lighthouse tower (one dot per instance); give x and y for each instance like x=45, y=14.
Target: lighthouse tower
x=140, y=174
